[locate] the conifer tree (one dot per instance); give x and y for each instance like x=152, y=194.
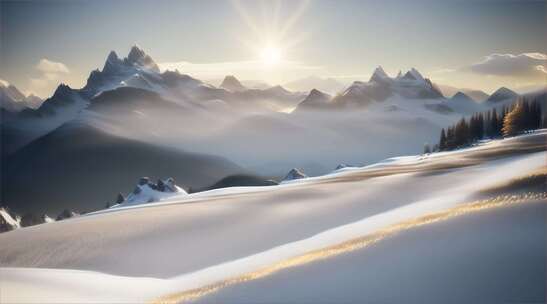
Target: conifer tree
x=494, y=124
x=515, y=121
x=442, y=141
x=461, y=133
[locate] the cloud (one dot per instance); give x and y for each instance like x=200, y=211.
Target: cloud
x=4, y=83
x=50, y=74
x=528, y=65
x=51, y=67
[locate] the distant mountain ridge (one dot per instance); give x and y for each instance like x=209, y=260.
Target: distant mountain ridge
x=450, y=91
x=327, y=85
x=13, y=100
x=501, y=94
x=231, y=83
x=137, y=70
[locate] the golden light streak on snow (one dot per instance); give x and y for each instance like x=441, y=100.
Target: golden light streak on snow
x=359, y=243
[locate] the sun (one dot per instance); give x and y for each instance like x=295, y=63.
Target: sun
x=270, y=55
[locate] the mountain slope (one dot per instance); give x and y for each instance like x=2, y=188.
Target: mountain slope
x=316, y=100
x=231, y=83
x=476, y=95
x=502, y=94
x=80, y=167
x=463, y=104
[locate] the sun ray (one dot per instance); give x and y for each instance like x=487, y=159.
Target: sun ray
x=271, y=39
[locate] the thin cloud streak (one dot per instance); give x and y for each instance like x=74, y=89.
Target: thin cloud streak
x=523, y=65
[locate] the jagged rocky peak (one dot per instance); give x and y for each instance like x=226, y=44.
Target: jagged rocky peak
x=231, y=83
x=14, y=92
x=138, y=57
x=63, y=91
x=119, y=199
x=413, y=74
x=146, y=192
x=136, y=54
x=379, y=75
x=166, y=185
x=399, y=75
x=112, y=63
x=112, y=56
x=143, y=181
x=315, y=93
x=416, y=74
x=409, y=76
x=294, y=174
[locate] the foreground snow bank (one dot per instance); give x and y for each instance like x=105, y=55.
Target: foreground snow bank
x=478, y=258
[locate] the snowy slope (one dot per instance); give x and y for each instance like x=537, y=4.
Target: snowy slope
x=215, y=235
x=479, y=258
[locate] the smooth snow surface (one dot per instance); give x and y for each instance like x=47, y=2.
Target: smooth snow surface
x=479, y=258
x=189, y=241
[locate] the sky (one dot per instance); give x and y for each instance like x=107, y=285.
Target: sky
x=480, y=44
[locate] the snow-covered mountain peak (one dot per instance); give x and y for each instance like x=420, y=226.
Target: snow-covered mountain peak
x=137, y=57
x=112, y=57
x=147, y=192
x=315, y=93
x=112, y=64
x=316, y=100
x=135, y=54
x=62, y=90
x=13, y=100
x=379, y=75
x=15, y=93
x=294, y=174
x=408, y=76
x=417, y=75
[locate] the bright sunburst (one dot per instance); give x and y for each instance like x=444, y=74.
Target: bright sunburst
x=273, y=32
x=270, y=55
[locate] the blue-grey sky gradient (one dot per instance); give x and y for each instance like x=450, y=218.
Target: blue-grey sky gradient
x=343, y=39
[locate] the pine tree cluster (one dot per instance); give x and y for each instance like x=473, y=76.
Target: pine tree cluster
x=523, y=116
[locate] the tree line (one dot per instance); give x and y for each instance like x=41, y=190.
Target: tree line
x=522, y=116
